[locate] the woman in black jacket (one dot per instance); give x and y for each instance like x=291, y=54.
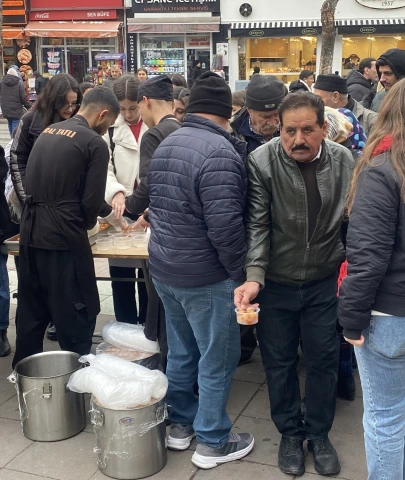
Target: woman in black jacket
x=12, y=99
x=372, y=296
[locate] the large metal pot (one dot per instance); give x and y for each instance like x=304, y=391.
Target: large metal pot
x=130, y=444
x=49, y=411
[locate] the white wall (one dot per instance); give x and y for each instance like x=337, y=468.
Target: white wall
x=265, y=11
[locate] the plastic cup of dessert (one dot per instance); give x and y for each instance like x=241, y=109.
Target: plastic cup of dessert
x=104, y=243
x=250, y=316
x=122, y=242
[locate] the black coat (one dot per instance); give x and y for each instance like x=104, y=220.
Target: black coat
x=375, y=250
x=13, y=97
x=297, y=86
x=5, y=220
x=40, y=84
x=357, y=85
x=194, y=74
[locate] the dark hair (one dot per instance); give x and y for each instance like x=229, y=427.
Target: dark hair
x=256, y=70
x=306, y=73
x=178, y=80
x=126, y=88
x=102, y=97
x=181, y=94
x=36, y=73
x=349, y=65
x=303, y=100
x=239, y=98
x=85, y=86
x=142, y=69
x=365, y=63
x=53, y=98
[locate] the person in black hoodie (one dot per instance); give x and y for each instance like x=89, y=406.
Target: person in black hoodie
x=5, y=232
x=372, y=296
x=304, y=83
x=195, y=72
x=361, y=81
x=12, y=99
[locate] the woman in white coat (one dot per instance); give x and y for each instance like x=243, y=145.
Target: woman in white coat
x=124, y=140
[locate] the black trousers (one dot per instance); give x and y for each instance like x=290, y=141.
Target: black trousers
x=124, y=296
x=286, y=314
x=48, y=290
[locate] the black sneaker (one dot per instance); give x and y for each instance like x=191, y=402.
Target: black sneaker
x=325, y=457
x=5, y=348
x=51, y=332
x=346, y=388
x=291, y=457
x=237, y=447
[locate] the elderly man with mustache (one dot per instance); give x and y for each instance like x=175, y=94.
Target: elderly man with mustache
x=296, y=197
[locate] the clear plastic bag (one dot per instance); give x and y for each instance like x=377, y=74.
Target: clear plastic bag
x=121, y=369
x=110, y=392
x=124, y=335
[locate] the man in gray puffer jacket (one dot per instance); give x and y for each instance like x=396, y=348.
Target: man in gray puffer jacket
x=12, y=99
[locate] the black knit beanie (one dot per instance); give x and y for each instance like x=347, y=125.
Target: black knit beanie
x=158, y=88
x=395, y=59
x=331, y=83
x=210, y=94
x=264, y=93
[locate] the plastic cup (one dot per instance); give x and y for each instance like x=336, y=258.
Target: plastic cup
x=247, y=317
x=122, y=242
x=104, y=244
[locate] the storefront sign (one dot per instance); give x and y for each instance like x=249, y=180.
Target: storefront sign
x=52, y=60
x=382, y=4
x=46, y=5
x=55, y=15
x=276, y=32
x=369, y=30
x=175, y=6
x=198, y=41
x=131, y=52
x=14, y=12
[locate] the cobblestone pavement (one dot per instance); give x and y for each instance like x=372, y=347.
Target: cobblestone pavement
x=73, y=459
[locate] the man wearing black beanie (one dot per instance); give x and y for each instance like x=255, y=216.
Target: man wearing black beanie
x=198, y=186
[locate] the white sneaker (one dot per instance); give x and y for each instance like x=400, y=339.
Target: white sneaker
x=237, y=447
x=180, y=437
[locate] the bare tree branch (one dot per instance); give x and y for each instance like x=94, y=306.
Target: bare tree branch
x=328, y=35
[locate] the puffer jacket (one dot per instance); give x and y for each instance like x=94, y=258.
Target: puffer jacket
x=123, y=169
x=12, y=97
x=298, y=85
x=197, y=187
x=28, y=130
x=375, y=249
x=277, y=216
x=357, y=85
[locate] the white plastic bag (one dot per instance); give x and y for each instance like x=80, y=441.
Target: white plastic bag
x=124, y=335
x=111, y=392
x=124, y=370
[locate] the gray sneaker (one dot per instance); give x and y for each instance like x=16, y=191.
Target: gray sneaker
x=237, y=447
x=180, y=436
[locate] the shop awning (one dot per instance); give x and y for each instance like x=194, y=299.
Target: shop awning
x=168, y=25
x=73, y=29
x=370, y=26
x=276, y=28
x=12, y=33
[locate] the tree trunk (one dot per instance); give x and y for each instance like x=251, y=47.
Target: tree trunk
x=1, y=41
x=328, y=35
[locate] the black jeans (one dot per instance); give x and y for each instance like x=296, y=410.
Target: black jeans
x=124, y=296
x=286, y=314
x=49, y=290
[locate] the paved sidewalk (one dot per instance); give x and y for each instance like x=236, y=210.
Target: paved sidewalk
x=73, y=459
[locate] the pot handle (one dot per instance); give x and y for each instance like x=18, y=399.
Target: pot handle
x=12, y=378
x=47, y=390
x=161, y=413
x=97, y=418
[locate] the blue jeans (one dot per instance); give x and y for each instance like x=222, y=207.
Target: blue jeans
x=204, y=343
x=12, y=125
x=381, y=363
x=4, y=293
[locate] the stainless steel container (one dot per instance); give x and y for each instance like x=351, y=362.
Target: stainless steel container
x=130, y=444
x=49, y=411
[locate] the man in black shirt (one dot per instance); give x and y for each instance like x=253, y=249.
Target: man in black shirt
x=65, y=185
x=155, y=100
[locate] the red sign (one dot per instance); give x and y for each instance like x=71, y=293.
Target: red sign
x=46, y=5
x=55, y=15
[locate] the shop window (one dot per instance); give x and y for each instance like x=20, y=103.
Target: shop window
x=54, y=41
x=162, y=54
x=283, y=57
x=356, y=48
x=53, y=61
x=103, y=41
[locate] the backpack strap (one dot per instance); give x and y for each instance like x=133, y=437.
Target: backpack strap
x=112, y=147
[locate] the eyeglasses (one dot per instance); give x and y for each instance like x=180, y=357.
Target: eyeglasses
x=71, y=106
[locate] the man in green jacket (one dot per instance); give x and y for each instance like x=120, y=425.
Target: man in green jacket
x=296, y=197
